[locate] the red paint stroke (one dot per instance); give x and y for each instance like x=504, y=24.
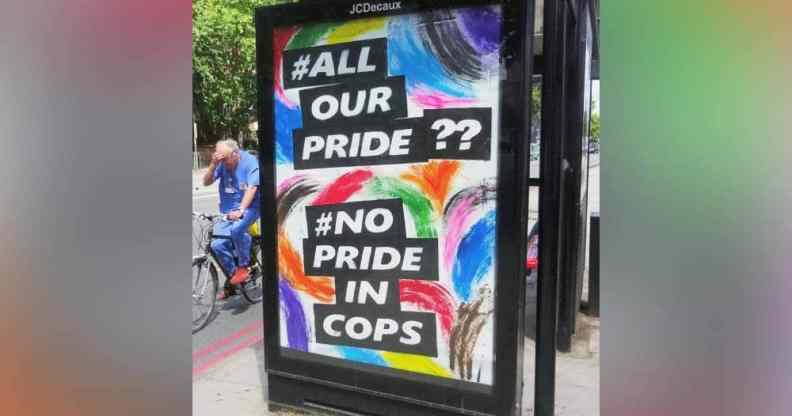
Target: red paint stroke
x=430, y=296
x=211, y=348
x=247, y=342
x=280, y=39
x=343, y=187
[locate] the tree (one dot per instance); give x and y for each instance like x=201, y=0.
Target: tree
x=224, y=62
x=595, y=127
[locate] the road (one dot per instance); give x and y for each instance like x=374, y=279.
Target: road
x=236, y=324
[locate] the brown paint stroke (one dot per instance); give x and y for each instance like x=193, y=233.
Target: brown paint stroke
x=471, y=319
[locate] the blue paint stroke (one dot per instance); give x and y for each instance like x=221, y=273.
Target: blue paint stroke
x=362, y=355
x=291, y=308
x=475, y=256
x=286, y=120
x=407, y=56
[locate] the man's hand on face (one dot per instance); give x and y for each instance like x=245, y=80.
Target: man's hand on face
x=235, y=215
x=217, y=158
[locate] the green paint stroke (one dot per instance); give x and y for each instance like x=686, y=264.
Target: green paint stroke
x=310, y=35
x=419, y=206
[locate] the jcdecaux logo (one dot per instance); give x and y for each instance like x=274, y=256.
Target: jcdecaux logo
x=359, y=8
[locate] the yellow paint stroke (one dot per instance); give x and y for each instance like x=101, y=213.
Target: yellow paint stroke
x=352, y=30
x=415, y=363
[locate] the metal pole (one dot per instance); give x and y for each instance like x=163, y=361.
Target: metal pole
x=550, y=206
x=594, y=277
x=195, y=146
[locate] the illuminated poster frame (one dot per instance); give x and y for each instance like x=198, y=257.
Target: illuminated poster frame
x=309, y=379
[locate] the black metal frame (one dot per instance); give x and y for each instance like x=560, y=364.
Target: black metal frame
x=559, y=249
x=296, y=378
x=550, y=203
x=573, y=107
x=573, y=221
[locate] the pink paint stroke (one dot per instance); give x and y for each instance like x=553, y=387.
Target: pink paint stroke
x=458, y=222
x=289, y=182
x=433, y=99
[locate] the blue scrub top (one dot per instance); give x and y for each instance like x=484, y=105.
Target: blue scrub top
x=233, y=184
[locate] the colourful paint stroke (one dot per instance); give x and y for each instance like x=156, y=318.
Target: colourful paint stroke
x=309, y=36
x=291, y=195
x=433, y=297
x=426, y=98
x=292, y=311
x=475, y=256
x=419, y=206
x=362, y=355
x=343, y=187
x=415, y=363
x=440, y=34
x=355, y=29
x=459, y=213
x=279, y=40
x=291, y=267
x=408, y=56
x=434, y=179
x=286, y=120
x=482, y=28
x=288, y=183
x=472, y=317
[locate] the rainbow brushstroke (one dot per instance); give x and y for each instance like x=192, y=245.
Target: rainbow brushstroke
x=443, y=57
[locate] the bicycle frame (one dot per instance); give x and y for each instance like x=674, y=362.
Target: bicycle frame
x=212, y=256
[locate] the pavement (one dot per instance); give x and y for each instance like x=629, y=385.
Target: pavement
x=237, y=385
x=228, y=355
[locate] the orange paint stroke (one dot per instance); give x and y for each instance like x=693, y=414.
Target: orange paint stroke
x=291, y=267
x=434, y=179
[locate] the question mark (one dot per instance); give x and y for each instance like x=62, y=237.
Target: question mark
x=471, y=129
x=447, y=127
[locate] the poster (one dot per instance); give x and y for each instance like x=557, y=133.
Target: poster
x=386, y=164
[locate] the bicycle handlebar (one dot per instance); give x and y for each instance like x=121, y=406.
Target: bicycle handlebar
x=210, y=217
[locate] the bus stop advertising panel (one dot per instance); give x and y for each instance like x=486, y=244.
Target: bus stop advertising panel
x=381, y=147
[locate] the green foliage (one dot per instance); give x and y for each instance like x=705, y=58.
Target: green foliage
x=595, y=127
x=536, y=112
x=224, y=62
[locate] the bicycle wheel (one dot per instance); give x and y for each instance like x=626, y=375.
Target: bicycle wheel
x=204, y=292
x=252, y=288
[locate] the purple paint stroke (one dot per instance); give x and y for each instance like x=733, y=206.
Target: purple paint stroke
x=291, y=308
x=482, y=27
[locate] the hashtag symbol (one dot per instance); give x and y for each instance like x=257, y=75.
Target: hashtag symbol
x=301, y=67
x=323, y=224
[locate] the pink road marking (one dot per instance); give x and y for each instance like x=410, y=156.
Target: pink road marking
x=247, y=342
x=227, y=340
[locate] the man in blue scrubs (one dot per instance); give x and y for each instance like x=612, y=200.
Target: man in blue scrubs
x=238, y=172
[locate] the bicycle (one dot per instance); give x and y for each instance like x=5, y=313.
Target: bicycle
x=206, y=269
